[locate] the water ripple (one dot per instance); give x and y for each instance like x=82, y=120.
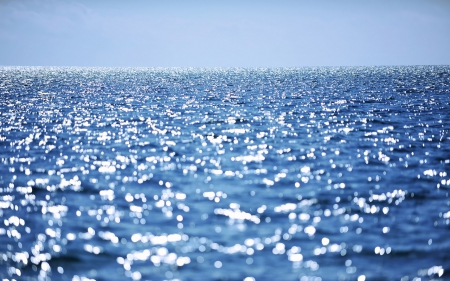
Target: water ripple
x=240, y=174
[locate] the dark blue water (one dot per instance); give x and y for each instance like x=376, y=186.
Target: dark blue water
x=225, y=174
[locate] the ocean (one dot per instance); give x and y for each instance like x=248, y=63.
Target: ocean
x=309, y=174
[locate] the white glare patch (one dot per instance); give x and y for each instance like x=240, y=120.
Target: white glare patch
x=310, y=230
x=305, y=169
x=285, y=207
x=295, y=257
x=430, y=173
x=180, y=196
x=436, y=270
x=129, y=197
x=218, y=264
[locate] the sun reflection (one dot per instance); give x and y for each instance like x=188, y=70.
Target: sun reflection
x=170, y=171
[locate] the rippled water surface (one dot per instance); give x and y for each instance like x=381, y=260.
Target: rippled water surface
x=225, y=174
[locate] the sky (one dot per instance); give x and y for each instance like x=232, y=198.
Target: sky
x=232, y=33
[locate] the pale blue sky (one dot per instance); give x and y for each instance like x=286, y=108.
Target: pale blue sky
x=233, y=33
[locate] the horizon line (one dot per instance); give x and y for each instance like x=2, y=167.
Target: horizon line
x=223, y=67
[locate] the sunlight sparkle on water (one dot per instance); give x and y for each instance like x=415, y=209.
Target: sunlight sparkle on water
x=239, y=174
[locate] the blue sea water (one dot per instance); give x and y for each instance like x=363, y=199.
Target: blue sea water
x=225, y=174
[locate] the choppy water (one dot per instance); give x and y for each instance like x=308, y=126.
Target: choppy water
x=238, y=174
